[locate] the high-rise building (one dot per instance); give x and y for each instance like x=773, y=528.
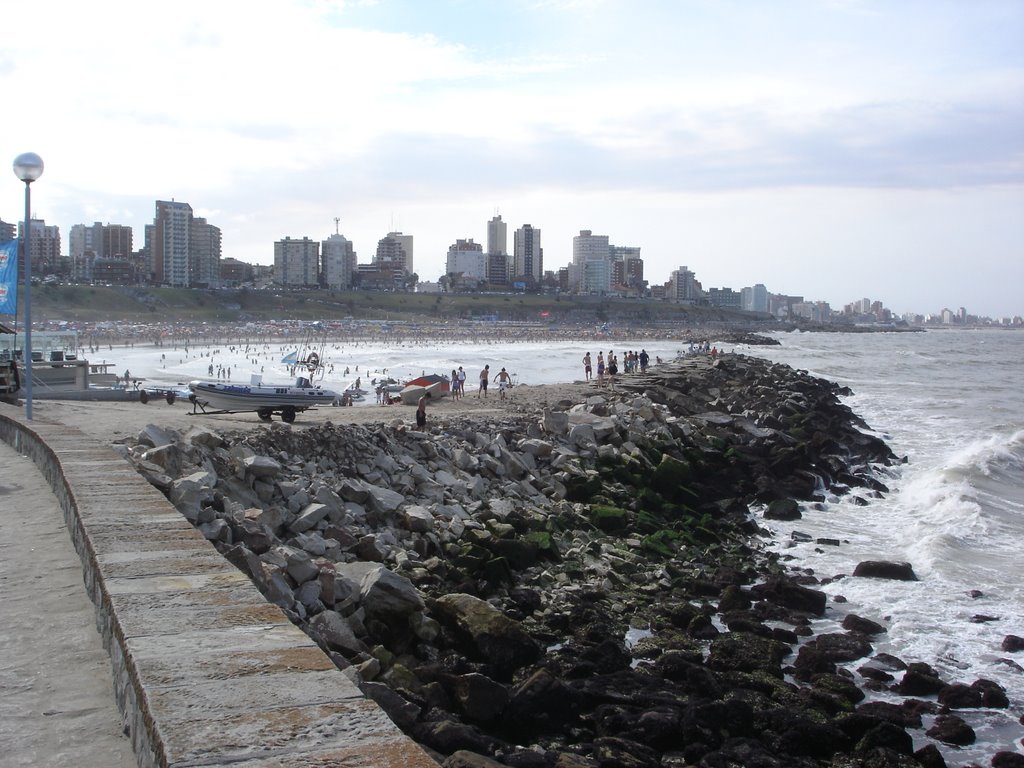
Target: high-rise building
x=591, y=255
x=204, y=254
x=754, y=298
x=89, y=242
x=45, y=246
x=528, y=256
x=338, y=258
x=498, y=263
x=466, y=258
x=297, y=262
x=170, y=244
x=497, y=236
x=184, y=251
x=683, y=287
x=627, y=267
x=395, y=249
x=7, y=231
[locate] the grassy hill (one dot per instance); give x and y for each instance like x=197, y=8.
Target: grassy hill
x=98, y=303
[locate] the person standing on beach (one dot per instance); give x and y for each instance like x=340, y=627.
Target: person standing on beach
x=586, y=366
x=600, y=367
x=421, y=412
x=462, y=382
x=454, y=384
x=644, y=360
x=504, y=382
x=485, y=375
x=613, y=367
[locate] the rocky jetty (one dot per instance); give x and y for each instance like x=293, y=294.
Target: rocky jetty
x=580, y=584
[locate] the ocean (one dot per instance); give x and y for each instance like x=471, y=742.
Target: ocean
x=950, y=401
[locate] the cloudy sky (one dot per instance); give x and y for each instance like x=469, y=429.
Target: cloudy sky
x=835, y=149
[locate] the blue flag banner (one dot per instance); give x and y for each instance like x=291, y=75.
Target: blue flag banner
x=9, y=277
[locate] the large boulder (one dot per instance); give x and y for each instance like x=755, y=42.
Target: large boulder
x=486, y=633
x=332, y=630
x=884, y=569
x=387, y=596
x=787, y=593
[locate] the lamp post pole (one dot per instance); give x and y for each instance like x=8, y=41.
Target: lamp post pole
x=28, y=167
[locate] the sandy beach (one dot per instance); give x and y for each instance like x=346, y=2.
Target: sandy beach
x=113, y=421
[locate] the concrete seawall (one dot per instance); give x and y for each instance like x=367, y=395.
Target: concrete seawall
x=205, y=671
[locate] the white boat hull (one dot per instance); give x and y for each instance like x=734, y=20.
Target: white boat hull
x=248, y=397
x=411, y=395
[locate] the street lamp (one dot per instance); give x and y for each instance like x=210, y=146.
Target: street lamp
x=28, y=167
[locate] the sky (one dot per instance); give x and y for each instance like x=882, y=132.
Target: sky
x=832, y=149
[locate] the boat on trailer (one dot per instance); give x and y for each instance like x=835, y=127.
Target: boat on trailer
x=265, y=399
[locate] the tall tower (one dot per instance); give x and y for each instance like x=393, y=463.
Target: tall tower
x=338, y=258
x=528, y=256
x=591, y=256
x=497, y=236
x=171, y=243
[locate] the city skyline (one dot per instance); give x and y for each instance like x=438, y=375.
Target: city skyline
x=327, y=269
x=826, y=147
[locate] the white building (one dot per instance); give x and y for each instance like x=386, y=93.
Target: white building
x=338, y=259
x=683, y=286
x=755, y=298
x=591, y=255
x=170, y=243
x=467, y=258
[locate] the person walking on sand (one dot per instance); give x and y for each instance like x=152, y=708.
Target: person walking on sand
x=586, y=366
x=421, y=412
x=485, y=376
x=504, y=382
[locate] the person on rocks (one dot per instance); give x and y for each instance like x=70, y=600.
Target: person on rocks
x=504, y=382
x=587, y=366
x=613, y=367
x=600, y=368
x=644, y=360
x=485, y=376
x=421, y=412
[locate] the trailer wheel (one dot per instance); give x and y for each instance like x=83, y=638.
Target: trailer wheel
x=265, y=414
x=171, y=397
x=143, y=397
x=288, y=414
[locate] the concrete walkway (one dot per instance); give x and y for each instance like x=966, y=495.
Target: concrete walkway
x=57, y=702
x=205, y=671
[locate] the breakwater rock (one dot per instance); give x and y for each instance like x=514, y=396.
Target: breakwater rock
x=580, y=584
